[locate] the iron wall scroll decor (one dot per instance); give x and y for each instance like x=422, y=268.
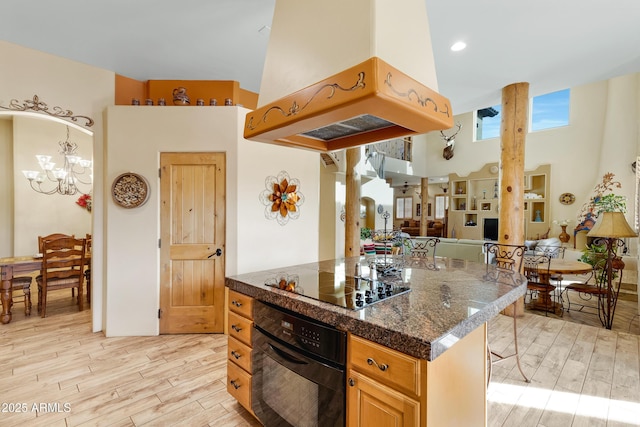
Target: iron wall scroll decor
x=130, y=190
x=41, y=107
x=282, y=198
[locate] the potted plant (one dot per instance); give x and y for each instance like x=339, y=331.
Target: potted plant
x=365, y=233
x=610, y=203
x=595, y=253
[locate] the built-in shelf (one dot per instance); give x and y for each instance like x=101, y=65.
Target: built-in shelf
x=470, y=220
x=476, y=197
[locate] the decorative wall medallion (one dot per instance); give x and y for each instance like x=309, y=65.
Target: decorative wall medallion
x=130, y=190
x=282, y=198
x=567, y=198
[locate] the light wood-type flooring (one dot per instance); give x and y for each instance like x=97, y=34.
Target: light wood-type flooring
x=61, y=374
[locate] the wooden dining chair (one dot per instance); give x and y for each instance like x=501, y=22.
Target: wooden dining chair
x=62, y=267
x=52, y=236
x=22, y=284
x=87, y=271
x=507, y=262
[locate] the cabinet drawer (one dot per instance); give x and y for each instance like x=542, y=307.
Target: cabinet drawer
x=240, y=328
x=240, y=354
x=239, y=385
x=241, y=304
x=388, y=366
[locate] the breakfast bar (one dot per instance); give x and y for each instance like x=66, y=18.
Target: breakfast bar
x=415, y=340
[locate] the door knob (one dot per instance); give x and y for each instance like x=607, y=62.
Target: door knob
x=218, y=252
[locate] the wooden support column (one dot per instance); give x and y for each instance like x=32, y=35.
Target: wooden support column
x=352, y=205
x=513, y=132
x=424, y=191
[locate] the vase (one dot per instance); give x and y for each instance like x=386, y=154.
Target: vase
x=564, y=236
x=180, y=96
x=617, y=263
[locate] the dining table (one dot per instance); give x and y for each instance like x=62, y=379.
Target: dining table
x=559, y=266
x=12, y=267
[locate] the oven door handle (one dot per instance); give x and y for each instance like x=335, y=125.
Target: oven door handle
x=287, y=356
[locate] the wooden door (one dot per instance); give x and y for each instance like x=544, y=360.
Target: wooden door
x=192, y=248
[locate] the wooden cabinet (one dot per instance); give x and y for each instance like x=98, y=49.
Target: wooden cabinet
x=388, y=388
x=384, y=386
x=239, y=348
x=378, y=405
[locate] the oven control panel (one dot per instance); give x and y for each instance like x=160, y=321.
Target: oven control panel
x=300, y=331
x=310, y=336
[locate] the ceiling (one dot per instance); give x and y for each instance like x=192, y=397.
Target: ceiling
x=550, y=44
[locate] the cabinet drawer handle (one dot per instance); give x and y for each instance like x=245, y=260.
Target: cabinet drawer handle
x=235, y=384
x=235, y=354
x=352, y=382
x=236, y=328
x=382, y=367
x=236, y=303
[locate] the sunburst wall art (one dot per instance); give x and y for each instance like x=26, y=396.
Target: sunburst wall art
x=282, y=198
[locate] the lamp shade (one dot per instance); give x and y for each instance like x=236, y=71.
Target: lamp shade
x=612, y=224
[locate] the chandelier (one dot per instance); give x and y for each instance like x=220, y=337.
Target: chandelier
x=67, y=180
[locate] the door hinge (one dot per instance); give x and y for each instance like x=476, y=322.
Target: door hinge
x=159, y=313
x=159, y=172
x=159, y=243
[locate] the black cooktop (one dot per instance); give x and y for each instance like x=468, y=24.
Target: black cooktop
x=348, y=291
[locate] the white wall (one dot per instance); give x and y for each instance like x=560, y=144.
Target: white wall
x=596, y=141
x=382, y=194
x=81, y=89
x=124, y=271
x=263, y=243
x=136, y=137
x=41, y=214
x=6, y=190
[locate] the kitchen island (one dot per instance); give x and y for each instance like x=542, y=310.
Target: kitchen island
x=436, y=331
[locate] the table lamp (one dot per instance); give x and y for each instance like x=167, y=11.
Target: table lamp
x=609, y=229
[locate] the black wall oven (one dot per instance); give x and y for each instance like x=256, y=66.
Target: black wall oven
x=298, y=375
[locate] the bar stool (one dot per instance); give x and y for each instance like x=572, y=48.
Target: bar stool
x=507, y=260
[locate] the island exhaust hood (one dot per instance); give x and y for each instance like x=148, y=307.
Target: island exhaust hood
x=364, y=99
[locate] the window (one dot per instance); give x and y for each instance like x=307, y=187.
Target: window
x=488, y=122
x=442, y=202
x=404, y=208
x=546, y=112
x=550, y=111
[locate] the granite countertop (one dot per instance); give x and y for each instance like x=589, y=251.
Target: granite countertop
x=444, y=304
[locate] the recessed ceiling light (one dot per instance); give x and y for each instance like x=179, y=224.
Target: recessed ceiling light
x=458, y=46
